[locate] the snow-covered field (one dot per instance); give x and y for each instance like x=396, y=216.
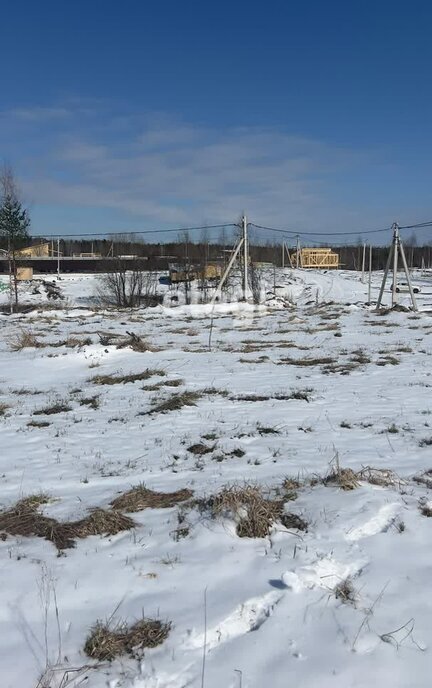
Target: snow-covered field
x=301, y=393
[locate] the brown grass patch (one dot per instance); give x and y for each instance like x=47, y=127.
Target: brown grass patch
x=306, y=362
x=424, y=478
x=25, y=520
x=140, y=497
x=24, y=340
x=200, y=449
x=105, y=643
x=92, y=402
x=124, y=379
x=174, y=403
x=3, y=408
x=38, y=424
x=60, y=407
x=345, y=478
x=384, y=477
x=254, y=512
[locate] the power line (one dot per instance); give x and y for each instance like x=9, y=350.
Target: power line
x=138, y=232
x=306, y=234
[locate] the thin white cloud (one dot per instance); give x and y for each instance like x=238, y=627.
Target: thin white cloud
x=156, y=172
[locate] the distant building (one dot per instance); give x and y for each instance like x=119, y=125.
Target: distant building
x=35, y=251
x=317, y=258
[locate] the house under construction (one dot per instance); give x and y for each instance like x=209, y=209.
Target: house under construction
x=317, y=258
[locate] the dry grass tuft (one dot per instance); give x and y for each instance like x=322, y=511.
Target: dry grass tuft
x=345, y=478
x=24, y=340
x=384, y=477
x=124, y=379
x=140, y=497
x=92, y=402
x=426, y=509
x=424, y=478
x=105, y=643
x=254, y=513
x=345, y=591
x=3, y=408
x=60, y=407
x=175, y=403
x=25, y=520
x=306, y=362
x=200, y=449
x=38, y=424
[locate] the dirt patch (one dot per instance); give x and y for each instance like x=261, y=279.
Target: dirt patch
x=140, y=497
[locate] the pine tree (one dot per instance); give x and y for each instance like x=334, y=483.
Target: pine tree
x=14, y=223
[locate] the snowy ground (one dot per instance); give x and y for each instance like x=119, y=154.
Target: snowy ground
x=258, y=611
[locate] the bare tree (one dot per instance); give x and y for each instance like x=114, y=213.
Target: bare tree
x=128, y=285
x=14, y=223
x=256, y=282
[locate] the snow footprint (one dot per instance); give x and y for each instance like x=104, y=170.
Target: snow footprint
x=377, y=524
x=324, y=573
x=247, y=617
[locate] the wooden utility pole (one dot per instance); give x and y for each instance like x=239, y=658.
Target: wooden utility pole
x=283, y=254
x=58, y=258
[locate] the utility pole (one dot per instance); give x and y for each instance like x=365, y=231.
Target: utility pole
x=245, y=258
x=363, y=263
x=370, y=274
x=298, y=252
x=395, y=248
x=283, y=254
x=58, y=258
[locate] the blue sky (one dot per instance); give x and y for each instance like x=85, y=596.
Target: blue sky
x=134, y=115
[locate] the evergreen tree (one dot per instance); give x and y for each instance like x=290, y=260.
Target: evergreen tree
x=14, y=223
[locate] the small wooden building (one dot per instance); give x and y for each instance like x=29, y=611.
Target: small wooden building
x=317, y=258
x=24, y=274
x=188, y=273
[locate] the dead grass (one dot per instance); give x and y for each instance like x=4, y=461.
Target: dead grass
x=24, y=340
x=3, y=408
x=24, y=519
x=425, y=510
x=140, y=497
x=345, y=478
x=92, y=402
x=306, y=362
x=424, y=478
x=38, y=424
x=254, y=512
x=296, y=394
x=200, y=449
x=60, y=407
x=345, y=591
x=388, y=360
x=174, y=403
x=384, y=477
x=106, y=643
x=124, y=379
